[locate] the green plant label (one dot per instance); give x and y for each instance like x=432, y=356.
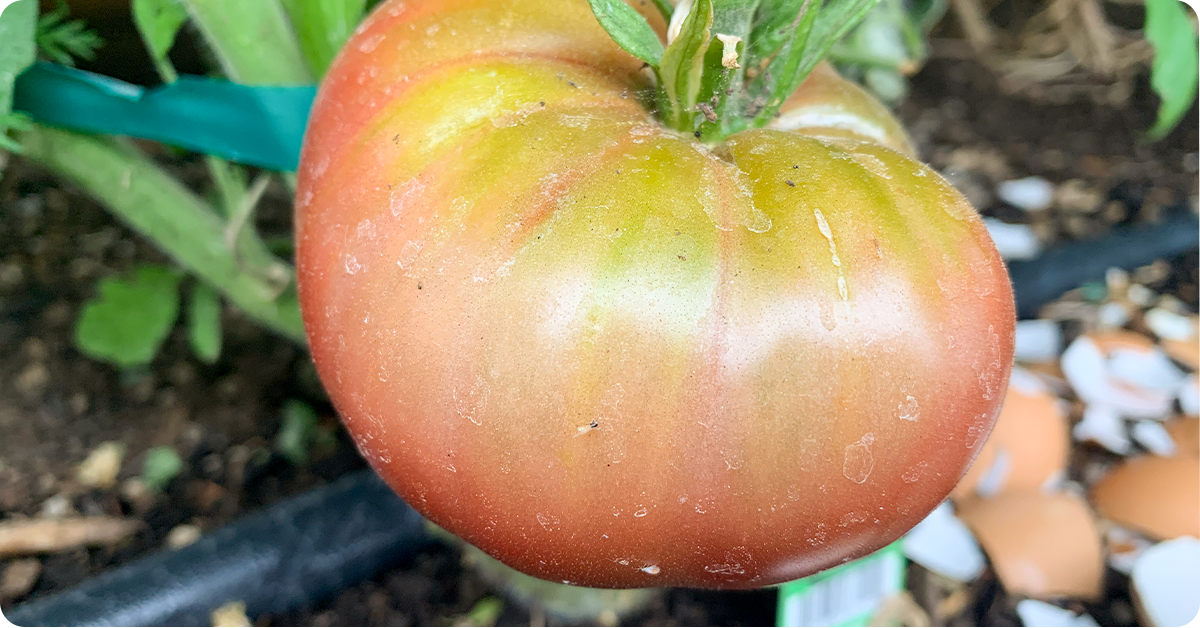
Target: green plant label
x=846, y=595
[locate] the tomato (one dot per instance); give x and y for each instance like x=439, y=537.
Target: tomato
x=609, y=354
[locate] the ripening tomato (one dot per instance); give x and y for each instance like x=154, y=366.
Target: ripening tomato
x=608, y=353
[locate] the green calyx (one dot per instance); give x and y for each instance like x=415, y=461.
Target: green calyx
x=729, y=65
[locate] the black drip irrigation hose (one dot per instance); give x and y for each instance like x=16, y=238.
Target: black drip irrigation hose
x=294, y=554
x=305, y=549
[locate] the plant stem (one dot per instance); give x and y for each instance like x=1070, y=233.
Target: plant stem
x=175, y=219
x=253, y=39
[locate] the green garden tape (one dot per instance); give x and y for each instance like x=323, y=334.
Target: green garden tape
x=253, y=125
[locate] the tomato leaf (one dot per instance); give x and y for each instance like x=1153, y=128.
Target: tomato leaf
x=159, y=22
x=62, y=40
x=129, y=320
x=819, y=25
x=1176, y=67
x=323, y=26
x=629, y=29
x=18, y=25
x=204, y=322
x=683, y=64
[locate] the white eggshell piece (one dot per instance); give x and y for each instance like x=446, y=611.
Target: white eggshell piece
x=1154, y=437
x=1113, y=314
x=1189, y=397
x=942, y=543
x=1166, y=579
x=1013, y=241
x=1169, y=325
x=1032, y=194
x=1037, y=341
x=1088, y=371
x=1124, y=548
x=1037, y=613
x=1102, y=424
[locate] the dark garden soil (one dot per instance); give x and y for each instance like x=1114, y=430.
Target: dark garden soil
x=57, y=406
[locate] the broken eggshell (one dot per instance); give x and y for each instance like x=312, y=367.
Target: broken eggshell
x=942, y=543
x=1185, y=432
x=1123, y=370
x=1166, y=583
x=1028, y=447
x=1035, y=613
x=1156, y=495
x=1043, y=546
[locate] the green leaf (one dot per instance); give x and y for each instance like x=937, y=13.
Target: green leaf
x=775, y=22
x=162, y=464
x=64, y=41
x=297, y=431
x=820, y=24
x=253, y=40
x=18, y=25
x=323, y=26
x=204, y=322
x=127, y=323
x=1176, y=67
x=159, y=21
x=629, y=29
x=683, y=65
x=721, y=96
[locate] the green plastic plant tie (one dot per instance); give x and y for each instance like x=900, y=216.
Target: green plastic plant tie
x=254, y=125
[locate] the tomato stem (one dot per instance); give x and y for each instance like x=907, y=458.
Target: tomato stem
x=729, y=65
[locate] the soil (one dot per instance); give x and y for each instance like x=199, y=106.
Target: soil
x=57, y=406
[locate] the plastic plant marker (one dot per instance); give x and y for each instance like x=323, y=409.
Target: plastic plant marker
x=847, y=595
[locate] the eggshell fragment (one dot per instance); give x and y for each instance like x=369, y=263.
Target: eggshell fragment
x=1124, y=548
x=1042, y=546
x=1186, y=434
x=1166, y=583
x=1035, y=613
x=1037, y=341
x=943, y=544
x=1154, y=437
x=1101, y=423
x=1123, y=370
x=1189, y=397
x=1028, y=448
x=1155, y=495
x=1186, y=352
x=1169, y=325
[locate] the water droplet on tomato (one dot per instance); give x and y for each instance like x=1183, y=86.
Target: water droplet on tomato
x=909, y=411
x=352, y=265
x=653, y=570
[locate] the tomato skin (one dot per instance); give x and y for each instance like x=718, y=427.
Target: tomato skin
x=608, y=354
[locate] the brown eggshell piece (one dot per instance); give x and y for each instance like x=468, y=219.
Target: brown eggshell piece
x=1041, y=545
x=1155, y=495
x=1186, y=434
x=1186, y=352
x=1032, y=434
x=1109, y=341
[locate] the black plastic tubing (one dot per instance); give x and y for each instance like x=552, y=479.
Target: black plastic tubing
x=298, y=552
